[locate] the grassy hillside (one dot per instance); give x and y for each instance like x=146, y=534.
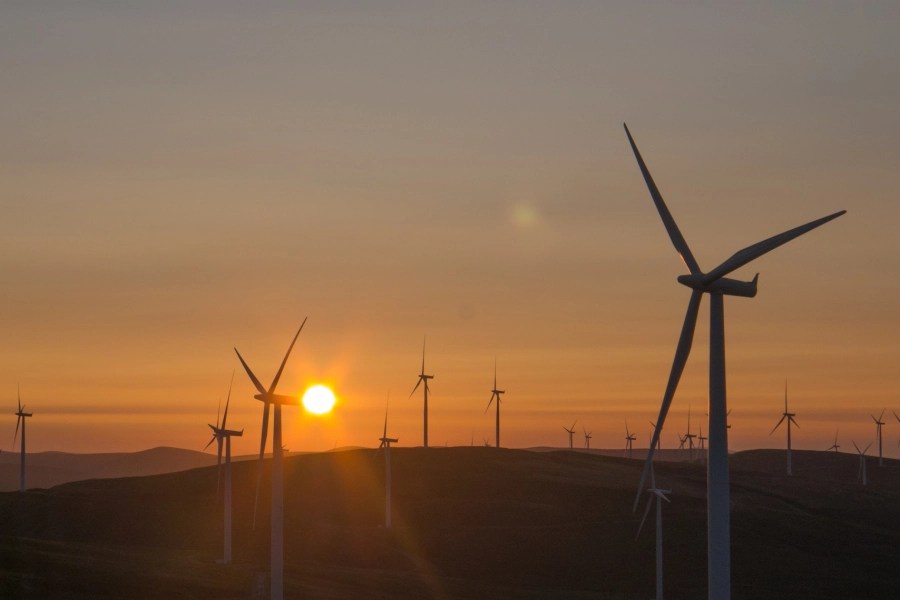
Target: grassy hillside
x=469, y=522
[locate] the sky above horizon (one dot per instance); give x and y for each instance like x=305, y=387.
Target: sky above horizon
x=183, y=179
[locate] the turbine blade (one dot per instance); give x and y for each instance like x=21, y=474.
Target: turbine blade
x=644, y=518
x=18, y=420
x=489, y=403
x=210, y=442
x=423, y=355
x=667, y=219
x=286, y=354
x=415, y=388
x=256, y=383
x=682, y=352
x=750, y=253
x=881, y=416
x=794, y=421
x=225, y=418
x=777, y=425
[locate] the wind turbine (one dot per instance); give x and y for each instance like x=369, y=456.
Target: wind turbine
x=689, y=438
x=267, y=397
x=587, y=438
x=658, y=495
x=21, y=415
x=571, y=432
x=424, y=378
x=789, y=416
x=629, y=438
x=835, y=445
x=702, y=446
x=861, y=473
x=386, y=444
x=222, y=433
x=717, y=286
x=878, y=424
x=495, y=393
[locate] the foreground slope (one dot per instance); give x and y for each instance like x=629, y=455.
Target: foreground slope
x=469, y=523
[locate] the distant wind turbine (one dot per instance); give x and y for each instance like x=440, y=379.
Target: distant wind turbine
x=222, y=434
x=717, y=286
x=878, y=424
x=21, y=415
x=657, y=495
x=629, y=439
x=424, y=378
x=571, y=432
x=789, y=417
x=689, y=438
x=386, y=444
x=267, y=397
x=835, y=445
x=495, y=393
x=861, y=473
x=702, y=446
x=587, y=438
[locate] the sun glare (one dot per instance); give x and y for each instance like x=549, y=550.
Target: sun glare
x=318, y=399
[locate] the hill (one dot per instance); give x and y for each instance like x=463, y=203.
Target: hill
x=469, y=523
x=48, y=469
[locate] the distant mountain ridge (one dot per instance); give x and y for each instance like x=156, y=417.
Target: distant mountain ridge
x=48, y=469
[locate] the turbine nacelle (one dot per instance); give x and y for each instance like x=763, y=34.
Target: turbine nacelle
x=722, y=285
x=278, y=399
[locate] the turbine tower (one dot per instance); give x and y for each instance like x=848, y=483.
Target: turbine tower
x=21, y=415
x=267, y=397
x=571, y=432
x=587, y=438
x=386, y=444
x=659, y=439
x=495, y=393
x=861, y=473
x=789, y=416
x=629, y=439
x=222, y=434
x=424, y=378
x=658, y=495
x=717, y=286
x=878, y=424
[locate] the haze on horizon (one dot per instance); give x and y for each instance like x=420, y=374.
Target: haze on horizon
x=181, y=180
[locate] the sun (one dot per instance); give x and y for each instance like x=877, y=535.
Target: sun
x=318, y=399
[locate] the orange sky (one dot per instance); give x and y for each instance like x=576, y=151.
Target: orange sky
x=178, y=181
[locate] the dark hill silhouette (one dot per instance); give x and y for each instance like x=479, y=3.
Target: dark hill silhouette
x=470, y=522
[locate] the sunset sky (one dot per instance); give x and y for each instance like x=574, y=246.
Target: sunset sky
x=182, y=178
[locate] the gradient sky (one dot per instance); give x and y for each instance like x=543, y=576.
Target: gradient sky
x=182, y=178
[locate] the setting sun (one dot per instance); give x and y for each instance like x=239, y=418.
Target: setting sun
x=318, y=399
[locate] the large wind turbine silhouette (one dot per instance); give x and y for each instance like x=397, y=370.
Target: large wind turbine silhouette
x=424, y=378
x=267, y=397
x=21, y=415
x=495, y=393
x=587, y=438
x=386, y=444
x=789, y=416
x=222, y=434
x=878, y=424
x=717, y=286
